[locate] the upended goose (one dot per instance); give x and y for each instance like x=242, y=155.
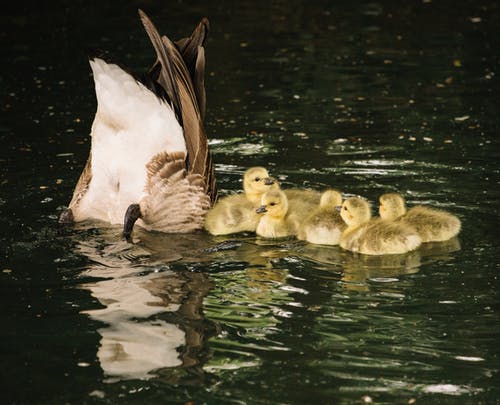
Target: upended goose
x=433, y=225
x=149, y=160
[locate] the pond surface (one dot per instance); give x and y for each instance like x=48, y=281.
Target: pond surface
x=367, y=97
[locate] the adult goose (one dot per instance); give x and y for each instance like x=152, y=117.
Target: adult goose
x=149, y=160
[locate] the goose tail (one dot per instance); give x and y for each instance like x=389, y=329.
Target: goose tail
x=189, y=90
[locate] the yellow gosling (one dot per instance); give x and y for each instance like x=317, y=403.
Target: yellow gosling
x=275, y=221
x=307, y=195
x=300, y=201
x=324, y=225
x=431, y=224
x=236, y=213
x=374, y=236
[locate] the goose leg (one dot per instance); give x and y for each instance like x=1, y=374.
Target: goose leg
x=133, y=214
x=66, y=217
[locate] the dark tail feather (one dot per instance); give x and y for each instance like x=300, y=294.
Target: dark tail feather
x=199, y=81
x=193, y=54
x=166, y=74
x=178, y=78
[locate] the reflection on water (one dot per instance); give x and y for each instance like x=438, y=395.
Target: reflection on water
x=138, y=339
x=153, y=300
x=357, y=269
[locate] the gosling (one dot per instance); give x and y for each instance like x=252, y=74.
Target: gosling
x=276, y=221
x=432, y=225
x=236, y=213
x=306, y=195
x=374, y=236
x=324, y=225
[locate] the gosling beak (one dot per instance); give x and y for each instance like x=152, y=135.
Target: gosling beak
x=268, y=181
x=261, y=209
x=338, y=208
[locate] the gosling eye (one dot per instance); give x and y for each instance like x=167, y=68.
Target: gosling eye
x=345, y=208
x=257, y=179
x=273, y=204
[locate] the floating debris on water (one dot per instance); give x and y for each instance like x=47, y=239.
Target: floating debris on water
x=340, y=140
x=469, y=358
x=98, y=394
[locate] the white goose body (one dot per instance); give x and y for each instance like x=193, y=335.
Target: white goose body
x=130, y=127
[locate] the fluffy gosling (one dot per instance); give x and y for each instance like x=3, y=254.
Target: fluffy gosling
x=324, y=225
x=276, y=221
x=432, y=225
x=374, y=236
x=236, y=213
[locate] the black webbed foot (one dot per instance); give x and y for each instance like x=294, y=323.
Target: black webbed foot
x=133, y=214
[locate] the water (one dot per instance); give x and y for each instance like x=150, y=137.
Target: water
x=367, y=97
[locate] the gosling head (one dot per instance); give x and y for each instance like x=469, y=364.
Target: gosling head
x=392, y=206
x=330, y=199
x=256, y=181
x=274, y=204
x=355, y=211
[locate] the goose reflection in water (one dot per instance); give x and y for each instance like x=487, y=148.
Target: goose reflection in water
x=154, y=323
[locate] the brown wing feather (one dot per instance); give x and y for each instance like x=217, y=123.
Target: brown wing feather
x=171, y=60
x=193, y=54
x=199, y=81
x=194, y=133
x=175, y=200
x=166, y=75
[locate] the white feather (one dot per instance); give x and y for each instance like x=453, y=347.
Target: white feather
x=130, y=127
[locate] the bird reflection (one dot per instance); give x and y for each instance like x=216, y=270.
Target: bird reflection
x=355, y=270
x=440, y=250
x=154, y=323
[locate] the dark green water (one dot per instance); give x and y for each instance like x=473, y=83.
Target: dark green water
x=367, y=97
